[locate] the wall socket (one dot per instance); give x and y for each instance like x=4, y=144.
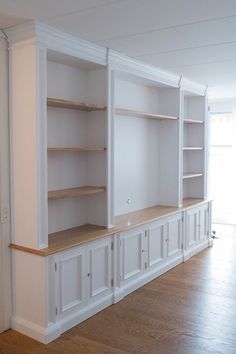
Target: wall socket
x=128, y=201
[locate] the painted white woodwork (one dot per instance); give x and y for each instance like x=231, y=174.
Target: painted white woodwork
x=157, y=243
x=71, y=281
x=5, y=253
x=99, y=277
x=143, y=166
x=28, y=145
x=204, y=222
x=174, y=235
x=192, y=227
x=68, y=127
x=133, y=254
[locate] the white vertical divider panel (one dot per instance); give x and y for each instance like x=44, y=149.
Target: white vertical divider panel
x=110, y=135
x=28, y=144
x=170, y=138
x=5, y=237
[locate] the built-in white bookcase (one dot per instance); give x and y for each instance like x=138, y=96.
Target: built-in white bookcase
x=194, y=160
x=146, y=144
x=77, y=143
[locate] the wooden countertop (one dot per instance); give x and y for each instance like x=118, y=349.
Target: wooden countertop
x=63, y=240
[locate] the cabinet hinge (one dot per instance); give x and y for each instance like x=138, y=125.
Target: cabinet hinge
x=146, y=233
x=182, y=219
x=120, y=243
x=182, y=246
x=55, y=267
x=145, y=264
x=112, y=246
x=56, y=311
x=112, y=283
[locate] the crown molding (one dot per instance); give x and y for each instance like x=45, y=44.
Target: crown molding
x=57, y=40
x=193, y=87
x=122, y=62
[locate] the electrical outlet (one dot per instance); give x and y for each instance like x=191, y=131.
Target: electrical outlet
x=4, y=214
x=128, y=201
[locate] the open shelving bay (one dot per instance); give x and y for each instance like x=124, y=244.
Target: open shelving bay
x=194, y=145
x=76, y=119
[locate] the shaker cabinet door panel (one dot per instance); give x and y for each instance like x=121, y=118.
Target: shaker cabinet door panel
x=132, y=263
x=203, y=222
x=192, y=227
x=99, y=268
x=156, y=244
x=71, y=284
x=174, y=235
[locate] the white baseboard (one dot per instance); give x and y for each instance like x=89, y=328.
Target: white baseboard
x=200, y=247
x=82, y=315
x=37, y=332
x=120, y=293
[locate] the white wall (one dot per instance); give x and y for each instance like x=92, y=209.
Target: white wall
x=5, y=254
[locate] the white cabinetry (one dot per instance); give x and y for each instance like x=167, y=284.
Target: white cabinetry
x=196, y=229
x=132, y=255
x=148, y=251
x=83, y=281
x=156, y=244
x=174, y=235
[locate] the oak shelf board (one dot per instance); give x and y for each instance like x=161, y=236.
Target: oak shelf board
x=67, y=239
x=193, y=121
x=76, y=149
x=192, y=148
x=187, y=175
x=56, y=102
x=75, y=192
x=139, y=114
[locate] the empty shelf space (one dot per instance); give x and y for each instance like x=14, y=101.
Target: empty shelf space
x=187, y=175
x=192, y=148
x=76, y=149
x=56, y=102
x=193, y=121
x=138, y=114
x=74, y=192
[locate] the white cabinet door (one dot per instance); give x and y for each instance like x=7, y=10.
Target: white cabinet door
x=156, y=244
x=71, y=281
x=99, y=269
x=192, y=227
x=203, y=222
x=174, y=235
x=132, y=254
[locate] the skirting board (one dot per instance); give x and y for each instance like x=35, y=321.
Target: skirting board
x=54, y=330
x=120, y=293
x=44, y=335
x=190, y=253
x=82, y=315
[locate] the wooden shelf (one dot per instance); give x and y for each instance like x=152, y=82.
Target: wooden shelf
x=138, y=114
x=76, y=149
x=66, y=239
x=192, y=175
x=55, y=102
x=193, y=121
x=192, y=148
x=74, y=192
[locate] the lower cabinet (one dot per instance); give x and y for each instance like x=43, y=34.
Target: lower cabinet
x=146, y=250
x=197, y=225
x=83, y=276
x=90, y=277
x=132, y=254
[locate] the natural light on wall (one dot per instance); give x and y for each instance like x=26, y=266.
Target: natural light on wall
x=222, y=161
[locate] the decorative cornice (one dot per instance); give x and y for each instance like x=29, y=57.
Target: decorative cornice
x=62, y=42
x=191, y=86
x=59, y=41
x=131, y=65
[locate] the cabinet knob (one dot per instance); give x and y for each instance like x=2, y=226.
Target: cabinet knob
x=88, y=275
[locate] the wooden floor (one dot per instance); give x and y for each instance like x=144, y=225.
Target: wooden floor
x=189, y=310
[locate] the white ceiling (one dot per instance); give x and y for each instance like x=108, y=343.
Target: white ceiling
x=196, y=38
